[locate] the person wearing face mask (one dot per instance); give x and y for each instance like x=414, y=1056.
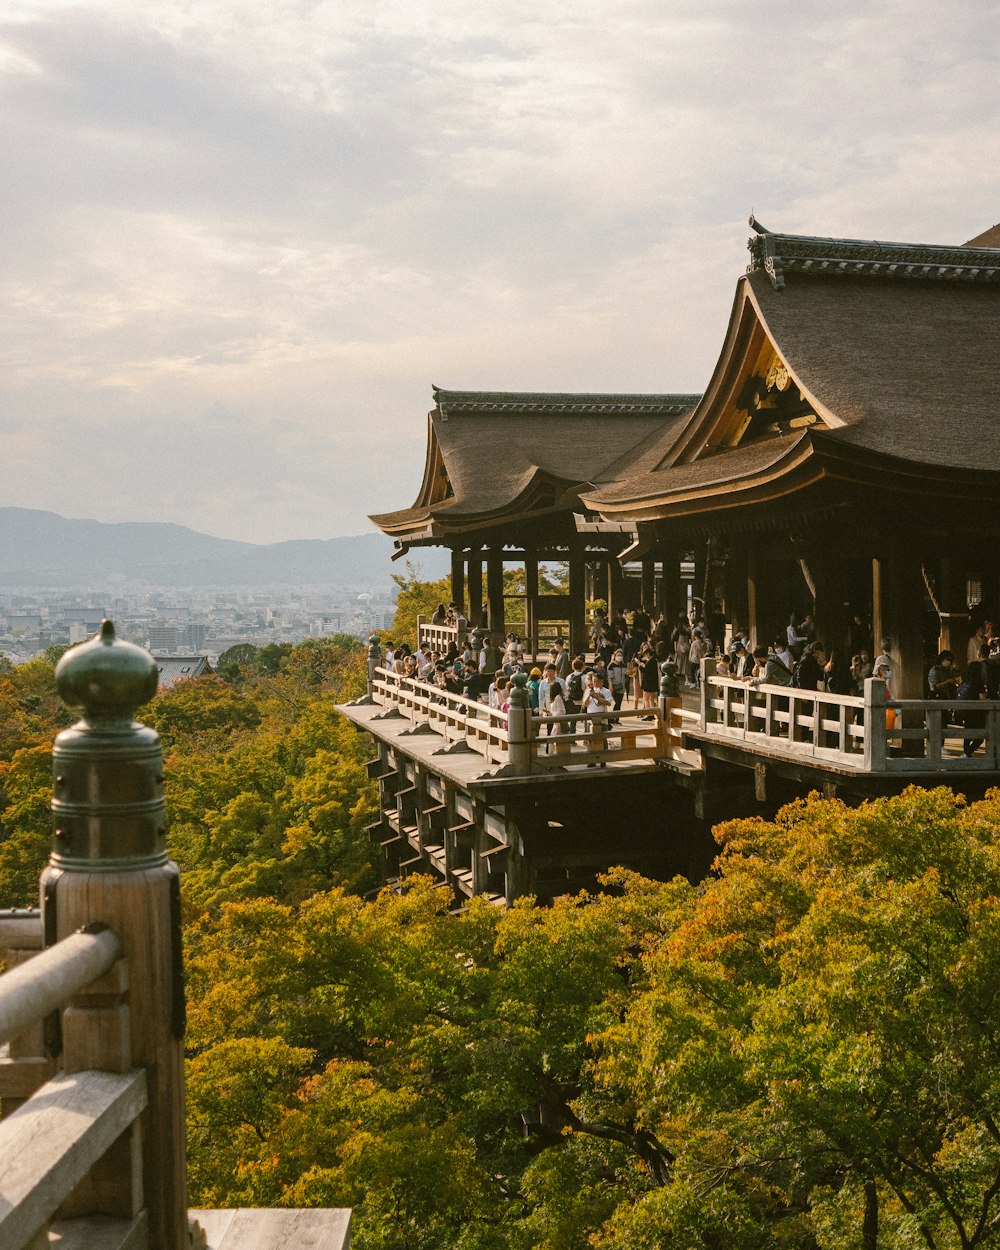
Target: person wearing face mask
x=617, y=677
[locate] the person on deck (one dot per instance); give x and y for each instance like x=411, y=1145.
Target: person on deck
x=618, y=679
x=943, y=679
x=770, y=670
x=811, y=671
x=883, y=666
x=838, y=673
x=597, y=702
x=534, y=681
x=649, y=675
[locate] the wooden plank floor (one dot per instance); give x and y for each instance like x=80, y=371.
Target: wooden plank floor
x=469, y=768
x=256, y=1228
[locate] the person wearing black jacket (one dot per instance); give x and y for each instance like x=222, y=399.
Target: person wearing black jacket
x=810, y=671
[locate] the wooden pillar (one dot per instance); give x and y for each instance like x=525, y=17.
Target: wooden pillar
x=458, y=578
x=753, y=622
x=737, y=582
x=954, y=609
x=669, y=583
x=648, y=591
x=898, y=609
x=616, y=585
x=531, y=600
x=831, y=613
x=475, y=588
x=577, y=607
x=494, y=595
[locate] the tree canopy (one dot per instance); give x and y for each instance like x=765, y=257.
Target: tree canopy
x=799, y=1052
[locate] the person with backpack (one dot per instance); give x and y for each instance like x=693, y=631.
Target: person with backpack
x=573, y=697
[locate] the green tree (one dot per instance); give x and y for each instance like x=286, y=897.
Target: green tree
x=416, y=598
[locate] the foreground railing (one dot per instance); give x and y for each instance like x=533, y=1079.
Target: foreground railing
x=532, y=743
x=868, y=732
x=92, y=1093
x=82, y=1123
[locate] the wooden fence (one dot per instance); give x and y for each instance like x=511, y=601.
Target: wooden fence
x=546, y=743
x=868, y=732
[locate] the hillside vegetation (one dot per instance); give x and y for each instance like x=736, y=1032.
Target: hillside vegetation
x=801, y=1052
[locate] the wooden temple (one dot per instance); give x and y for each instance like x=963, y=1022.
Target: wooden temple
x=843, y=460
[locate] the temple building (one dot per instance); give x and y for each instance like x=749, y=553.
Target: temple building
x=845, y=455
x=843, y=461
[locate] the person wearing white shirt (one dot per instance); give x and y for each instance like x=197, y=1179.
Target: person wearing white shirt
x=597, y=702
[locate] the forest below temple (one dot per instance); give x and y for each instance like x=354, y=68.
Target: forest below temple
x=801, y=1051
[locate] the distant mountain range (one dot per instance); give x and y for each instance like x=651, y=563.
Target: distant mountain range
x=44, y=549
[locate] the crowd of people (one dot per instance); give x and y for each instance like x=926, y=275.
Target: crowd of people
x=636, y=658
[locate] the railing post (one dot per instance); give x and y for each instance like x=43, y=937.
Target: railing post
x=875, y=725
x=519, y=726
x=670, y=698
x=374, y=661
x=708, y=666
x=109, y=865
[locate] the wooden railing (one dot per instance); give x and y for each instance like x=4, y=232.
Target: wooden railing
x=551, y=742
x=440, y=637
x=868, y=732
x=62, y=1131
x=91, y=1094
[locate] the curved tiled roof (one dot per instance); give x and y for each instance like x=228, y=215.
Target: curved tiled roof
x=908, y=369
x=902, y=369
x=506, y=452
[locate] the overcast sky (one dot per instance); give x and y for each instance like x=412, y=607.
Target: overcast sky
x=241, y=240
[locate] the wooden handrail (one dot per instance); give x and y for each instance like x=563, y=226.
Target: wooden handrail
x=29, y=992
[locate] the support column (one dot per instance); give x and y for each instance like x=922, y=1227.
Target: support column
x=494, y=595
x=753, y=601
x=831, y=613
x=648, y=591
x=577, y=607
x=458, y=578
x=954, y=609
x=531, y=600
x=475, y=588
x=616, y=585
x=737, y=582
x=898, y=601
x=669, y=584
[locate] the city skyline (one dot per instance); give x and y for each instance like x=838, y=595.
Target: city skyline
x=241, y=246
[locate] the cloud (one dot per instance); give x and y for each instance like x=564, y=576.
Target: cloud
x=240, y=243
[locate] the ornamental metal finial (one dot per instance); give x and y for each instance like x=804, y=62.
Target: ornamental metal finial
x=107, y=803
x=519, y=697
x=107, y=678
